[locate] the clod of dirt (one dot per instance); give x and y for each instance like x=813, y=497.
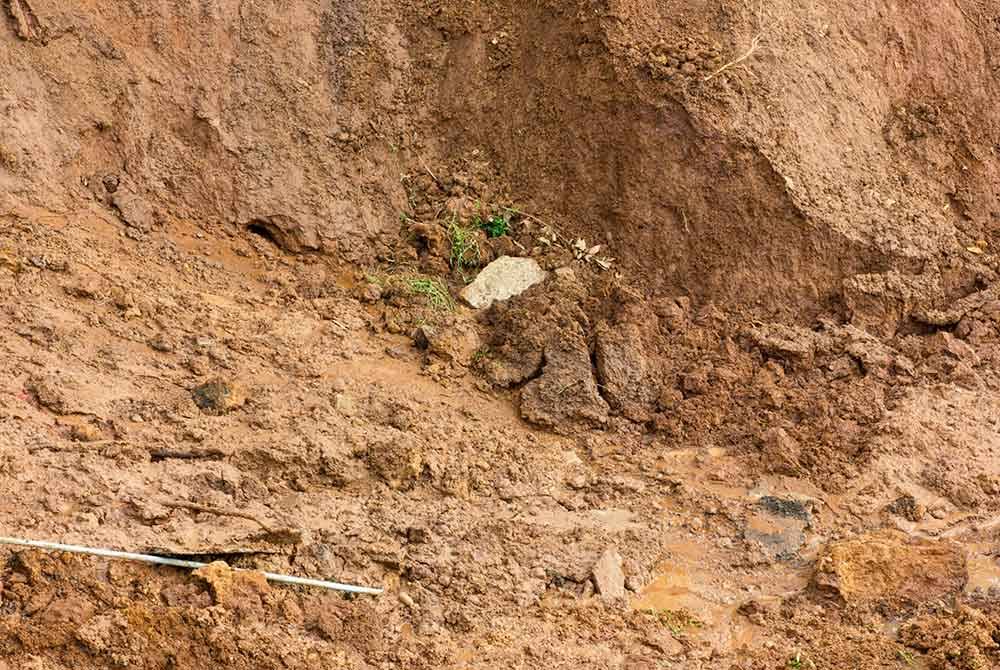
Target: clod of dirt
x=233, y=589
x=608, y=576
x=396, y=459
x=881, y=303
x=502, y=279
x=523, y=327
x=49, y=395
x=780, y=451
x=219, y=396
x=432, y=245
x=455, y=342
x=889, y=567
x=161, y=342
x=623, y=370
x=565, y=395
x=795, y=346
x=86, y=432
x=134, y=210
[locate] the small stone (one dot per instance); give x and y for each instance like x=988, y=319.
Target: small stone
x=565, y=273
x=370, y=293
x=422, y=336
x=786, y=507
x=344, y=404
x=136, y=418
x=86, y=432
x=609, y=579
x=219, y=396
x=87, y=289
x=904, y=366
x=159, y=342
x=907, y=507
x=841, y=367
x=504, y=278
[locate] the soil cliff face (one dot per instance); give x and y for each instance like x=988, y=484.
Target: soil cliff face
x=842, y=141
x=229, y=113
x=846, y=140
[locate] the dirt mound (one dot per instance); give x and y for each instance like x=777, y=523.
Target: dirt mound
x=965, y=638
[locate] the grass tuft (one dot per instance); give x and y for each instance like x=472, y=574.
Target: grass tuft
x=436, y=292
x=464, y=249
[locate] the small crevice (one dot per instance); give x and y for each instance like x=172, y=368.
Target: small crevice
x=268, y=231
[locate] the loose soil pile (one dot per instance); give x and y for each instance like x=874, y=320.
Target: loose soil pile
x=748, y=420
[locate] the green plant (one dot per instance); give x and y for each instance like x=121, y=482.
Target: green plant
x=496, y=225
x=464, y=250
x=798, y=663
x=436, y=293
x=905, y=656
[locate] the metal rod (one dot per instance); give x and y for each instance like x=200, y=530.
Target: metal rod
x=180, y=563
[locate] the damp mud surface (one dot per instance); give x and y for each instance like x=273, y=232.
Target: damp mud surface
x=738, y=410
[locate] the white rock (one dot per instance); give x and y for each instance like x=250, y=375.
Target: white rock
x=504, y=278
x=609, y=579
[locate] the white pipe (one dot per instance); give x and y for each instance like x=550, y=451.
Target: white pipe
x=180, y=563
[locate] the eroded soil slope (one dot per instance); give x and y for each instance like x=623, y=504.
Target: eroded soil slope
x=748, y=419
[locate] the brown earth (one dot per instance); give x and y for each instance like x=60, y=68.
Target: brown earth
x=749, y=420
